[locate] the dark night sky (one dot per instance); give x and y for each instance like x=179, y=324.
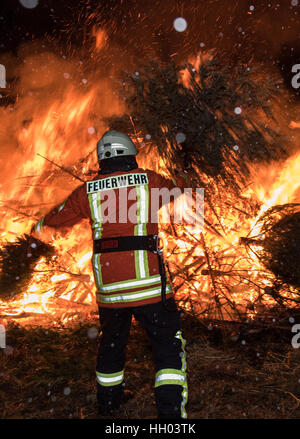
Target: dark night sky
x=268, y=33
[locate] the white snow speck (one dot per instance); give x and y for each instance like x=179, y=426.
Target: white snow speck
x=29, y=4
x=67, y=391
x=29, y=255
x=243, y=342
x=91, y=130
x=148, y=136
x=112, y=345
x=33, y=245
x=180, y=24
x=107, y=263
x=67, y=75
x=236, y=147
x=251, y=8
x=84, y=81
x=237, y=110
x=180, y=137
x=291, y=320
x=8, y=350
x=294, y=2
x=210, y=328
x=92, y=333
x=202, y=44
x=29, y=399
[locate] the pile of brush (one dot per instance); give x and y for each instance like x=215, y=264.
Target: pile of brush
x=17, y=262
x=208, y=123
x=279, y=246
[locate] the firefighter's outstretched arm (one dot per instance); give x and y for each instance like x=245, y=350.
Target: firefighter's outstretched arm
x=66, y=214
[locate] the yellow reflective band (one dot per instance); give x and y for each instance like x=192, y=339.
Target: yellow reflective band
x=184, y=393
x=132, y=297
x=39, y=225
x=112, y=379
x=129, y=284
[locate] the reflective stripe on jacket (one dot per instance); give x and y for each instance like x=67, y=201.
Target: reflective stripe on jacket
x=119, y=204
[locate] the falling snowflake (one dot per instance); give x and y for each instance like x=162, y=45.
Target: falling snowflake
x=294, y=2
x=180, y=24
x=92, y=333
x=251, y=8
x=148, y=136
x=237, y=110
x=67, y=391
x=91, y=130
x=33, y=245
x=29, y=4
x=67, y=75
x=291, y=320
x=202, y=44
x=236, y=147
x=84, y=81
x=180, y=137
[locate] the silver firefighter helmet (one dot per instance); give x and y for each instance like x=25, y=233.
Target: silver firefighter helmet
x=115, y=144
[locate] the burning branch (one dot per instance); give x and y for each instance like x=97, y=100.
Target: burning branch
x=62, y=168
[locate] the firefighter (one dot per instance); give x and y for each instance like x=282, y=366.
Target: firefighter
x=129, y=273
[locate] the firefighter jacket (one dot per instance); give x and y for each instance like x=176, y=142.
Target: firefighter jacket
x=119, y=204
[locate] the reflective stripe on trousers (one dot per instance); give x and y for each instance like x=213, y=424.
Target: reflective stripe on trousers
x=175, y=376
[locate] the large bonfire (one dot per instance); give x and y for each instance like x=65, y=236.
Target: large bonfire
x=223, y=128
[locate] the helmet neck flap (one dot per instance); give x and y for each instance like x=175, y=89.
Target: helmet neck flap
x=114, y=164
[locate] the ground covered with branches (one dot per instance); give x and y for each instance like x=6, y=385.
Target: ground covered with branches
x=49, y=372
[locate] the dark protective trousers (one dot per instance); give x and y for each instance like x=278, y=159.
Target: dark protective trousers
x=163, y=329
